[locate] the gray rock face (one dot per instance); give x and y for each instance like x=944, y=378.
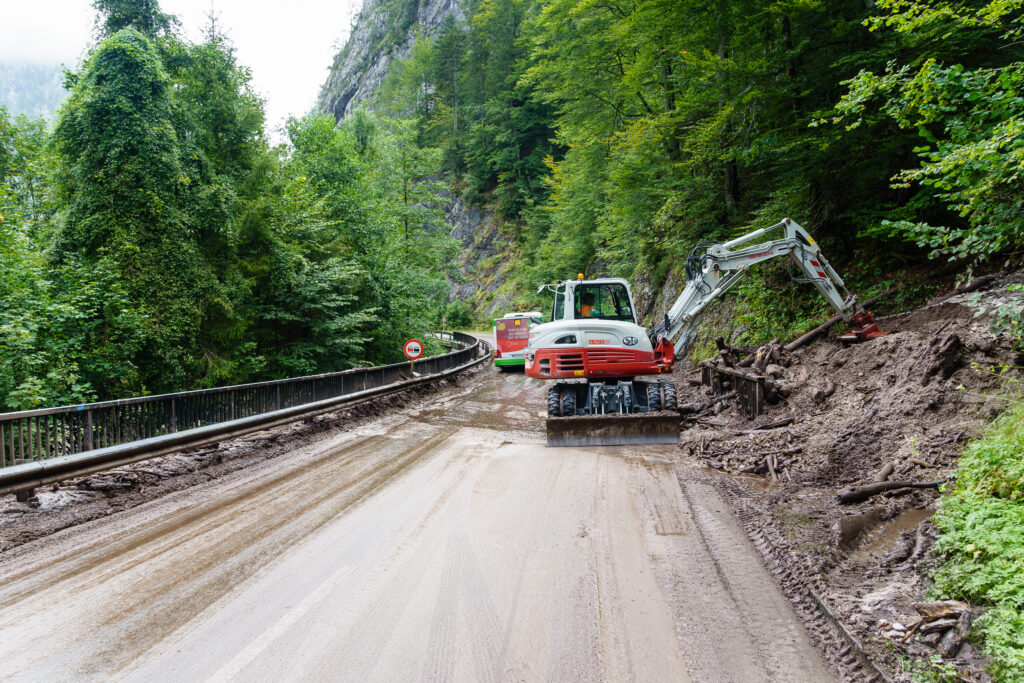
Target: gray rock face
x=385, y=30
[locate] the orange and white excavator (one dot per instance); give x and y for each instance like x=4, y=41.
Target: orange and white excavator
x=596, y=349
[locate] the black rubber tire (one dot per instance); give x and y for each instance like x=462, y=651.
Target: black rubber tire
x=653, y=397
x=669, y=390
x=554, y=402
x=569, y=403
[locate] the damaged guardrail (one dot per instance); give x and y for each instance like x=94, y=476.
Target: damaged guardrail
x=40, y=447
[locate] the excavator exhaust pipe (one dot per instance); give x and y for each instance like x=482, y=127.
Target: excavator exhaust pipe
x=614, y=430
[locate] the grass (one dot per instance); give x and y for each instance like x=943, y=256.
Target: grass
x=981, y=541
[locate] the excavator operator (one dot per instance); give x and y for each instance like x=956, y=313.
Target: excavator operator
x=588, y=309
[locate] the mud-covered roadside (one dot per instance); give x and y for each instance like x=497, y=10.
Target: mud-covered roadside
x=80, y=500
x=896, y=409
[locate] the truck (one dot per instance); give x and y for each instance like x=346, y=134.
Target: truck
x=511, y=334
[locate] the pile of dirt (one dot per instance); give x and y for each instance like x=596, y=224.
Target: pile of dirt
x=897, y=409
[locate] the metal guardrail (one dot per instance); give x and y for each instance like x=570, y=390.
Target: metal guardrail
x=35, y=435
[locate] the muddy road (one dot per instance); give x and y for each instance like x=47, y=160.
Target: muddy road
x=446, y=543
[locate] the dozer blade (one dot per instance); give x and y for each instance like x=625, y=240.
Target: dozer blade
x=613, y=430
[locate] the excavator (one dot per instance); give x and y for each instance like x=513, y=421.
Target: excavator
x=596, y=350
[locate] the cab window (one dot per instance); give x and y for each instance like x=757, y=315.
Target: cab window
x=605, y=302
x=559, y=307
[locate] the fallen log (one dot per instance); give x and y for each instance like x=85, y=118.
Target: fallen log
x=885, y=472
x=954, y=638
x=855, y=494
x=938, y=625
x=941, y=609
x=779, y=423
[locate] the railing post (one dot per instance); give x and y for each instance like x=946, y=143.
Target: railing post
x=277, y=397
x=87, y=446
x=173, y=426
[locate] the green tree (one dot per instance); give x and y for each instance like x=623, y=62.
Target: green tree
x=142, y=15
x=957, y=86
x=123, y=183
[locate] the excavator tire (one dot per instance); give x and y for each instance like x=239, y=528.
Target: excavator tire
x=654, y=397
x=554, y=402
x=670, y=401
x=569, y=403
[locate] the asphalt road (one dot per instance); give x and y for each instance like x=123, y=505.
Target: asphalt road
x=445, y=544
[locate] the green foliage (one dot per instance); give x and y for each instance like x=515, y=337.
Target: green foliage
x=459, y=316
x=981, y=541
x=154, y=241
x=961, y=95
x=142, y=15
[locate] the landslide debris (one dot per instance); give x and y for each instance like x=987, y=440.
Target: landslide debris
x=846, y=460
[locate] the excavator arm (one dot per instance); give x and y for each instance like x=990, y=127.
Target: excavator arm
x=723, y=265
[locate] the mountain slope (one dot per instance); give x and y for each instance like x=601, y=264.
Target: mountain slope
x=385, y=31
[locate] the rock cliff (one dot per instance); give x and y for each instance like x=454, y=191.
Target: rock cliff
x=385, y=30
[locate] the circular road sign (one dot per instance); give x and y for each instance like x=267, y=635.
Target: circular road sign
x=413, y=349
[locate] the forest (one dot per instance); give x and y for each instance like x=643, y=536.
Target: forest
x=152, y=240
x=611, y=137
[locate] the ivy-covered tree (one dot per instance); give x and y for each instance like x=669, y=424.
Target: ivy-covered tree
x=142, y=15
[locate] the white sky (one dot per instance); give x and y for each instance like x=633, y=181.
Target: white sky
x=288, y=46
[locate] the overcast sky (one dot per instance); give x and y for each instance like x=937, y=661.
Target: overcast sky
x=288, y=45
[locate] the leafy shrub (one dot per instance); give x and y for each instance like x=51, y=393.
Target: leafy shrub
x=981, y=542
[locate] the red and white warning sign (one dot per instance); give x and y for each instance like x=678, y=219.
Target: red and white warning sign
x=413, y=349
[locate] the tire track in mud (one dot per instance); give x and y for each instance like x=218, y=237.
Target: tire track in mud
x=803, y=590
x=146, y=614
x=774, y=634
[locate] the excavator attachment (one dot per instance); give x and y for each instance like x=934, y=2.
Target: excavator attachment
x=862, y=328
x=614, y=413
x=614, y=430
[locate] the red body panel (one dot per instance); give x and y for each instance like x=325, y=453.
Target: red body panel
x=597, y=363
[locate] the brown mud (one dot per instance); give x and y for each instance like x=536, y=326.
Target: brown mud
x=900, y=407
x=80, y=500
x=444, y=542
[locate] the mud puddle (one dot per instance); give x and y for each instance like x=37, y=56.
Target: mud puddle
x=876, y=544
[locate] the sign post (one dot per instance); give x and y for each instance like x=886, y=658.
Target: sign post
x=412, y=349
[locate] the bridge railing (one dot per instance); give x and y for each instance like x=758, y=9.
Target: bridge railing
x=31, y=435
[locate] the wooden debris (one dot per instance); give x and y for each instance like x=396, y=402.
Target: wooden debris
x=885, y=472
x=938, y=625
x=954, y=638
x=855, y=494
x=912, y=631
x=941, y=609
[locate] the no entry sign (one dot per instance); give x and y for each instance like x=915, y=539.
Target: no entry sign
x=413, y=349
